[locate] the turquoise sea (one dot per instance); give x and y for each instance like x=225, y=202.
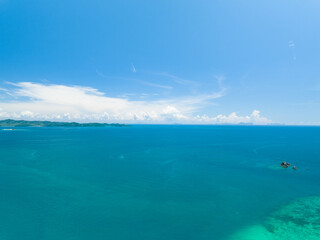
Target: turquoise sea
x=160, y=182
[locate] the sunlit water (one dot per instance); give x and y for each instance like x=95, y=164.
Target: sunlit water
x=152, y=182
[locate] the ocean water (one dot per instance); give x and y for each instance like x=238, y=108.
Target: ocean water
x=158, y=182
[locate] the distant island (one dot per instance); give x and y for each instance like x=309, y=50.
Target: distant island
x=23, y=123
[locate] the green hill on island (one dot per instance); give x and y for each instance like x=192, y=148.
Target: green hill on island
x=23, y=123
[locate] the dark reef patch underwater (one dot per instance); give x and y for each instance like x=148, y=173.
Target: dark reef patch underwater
x=299, y=219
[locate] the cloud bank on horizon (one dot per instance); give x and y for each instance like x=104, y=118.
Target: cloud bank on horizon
x=35, y=101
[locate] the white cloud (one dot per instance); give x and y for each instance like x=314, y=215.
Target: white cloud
x=233, y=118
x=86, y=104
x=291, y=44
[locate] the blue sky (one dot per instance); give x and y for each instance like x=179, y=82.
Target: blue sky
x=161, y=61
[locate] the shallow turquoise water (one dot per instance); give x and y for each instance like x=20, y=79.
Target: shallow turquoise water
x=150, y=182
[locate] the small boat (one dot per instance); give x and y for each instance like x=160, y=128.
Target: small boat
x=285, y=164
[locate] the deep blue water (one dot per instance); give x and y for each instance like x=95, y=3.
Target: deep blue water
x=150, y=182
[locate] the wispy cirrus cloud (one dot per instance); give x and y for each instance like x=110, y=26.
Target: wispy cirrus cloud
x=85, y=104
x=100, y=74
x=151, y=84
x=177, y=79
x=133, y=68
x=5, y=91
